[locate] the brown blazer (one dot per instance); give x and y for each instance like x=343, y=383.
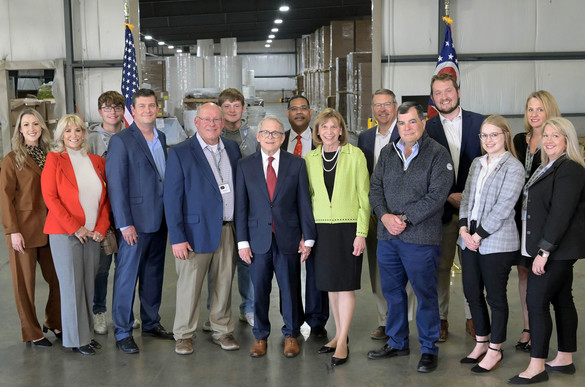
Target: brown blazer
x=21, y=201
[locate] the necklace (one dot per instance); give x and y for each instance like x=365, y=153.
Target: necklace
x=330, y=160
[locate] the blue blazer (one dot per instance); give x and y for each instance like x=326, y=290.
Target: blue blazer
x=367, y=144
x=470, y=149
x=193, y=202
x=134, y=183
x=290, y=208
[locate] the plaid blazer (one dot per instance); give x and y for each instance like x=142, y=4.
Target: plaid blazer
x=495, y=223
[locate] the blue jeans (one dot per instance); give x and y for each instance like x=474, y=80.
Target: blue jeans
x=101, y=283
x=399, y=263
x=245, y=287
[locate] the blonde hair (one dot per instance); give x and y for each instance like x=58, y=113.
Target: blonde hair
x=62, y=125
x=502, y=123
x=18, y=143
x=325, y=116
x=565, y=128
x=548, y=103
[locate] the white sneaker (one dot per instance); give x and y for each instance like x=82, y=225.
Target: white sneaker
x=136, y=324
x=99, y=324
x=248, y=318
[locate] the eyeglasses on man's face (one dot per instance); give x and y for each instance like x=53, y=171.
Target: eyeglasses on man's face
x=108, y=109
x=383, y=105
x=303, y=108
x=267, y=134
x=210, y=120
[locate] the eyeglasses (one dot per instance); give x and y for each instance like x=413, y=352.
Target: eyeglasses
x=267, y=134
x=108, y=109
x=381, y=105
x=210, y=120
x=493, y=136
x=295, y=109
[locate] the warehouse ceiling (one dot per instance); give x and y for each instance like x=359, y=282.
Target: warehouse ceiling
x=183, y=22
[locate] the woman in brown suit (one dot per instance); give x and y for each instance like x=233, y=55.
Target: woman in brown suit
x=23, y=217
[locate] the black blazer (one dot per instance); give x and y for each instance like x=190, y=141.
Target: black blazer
x=555, y=216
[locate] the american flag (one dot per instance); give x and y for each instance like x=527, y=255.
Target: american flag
x=129, y=75
x=446, y=63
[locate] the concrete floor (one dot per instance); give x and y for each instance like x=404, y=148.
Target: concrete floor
x=157, y=364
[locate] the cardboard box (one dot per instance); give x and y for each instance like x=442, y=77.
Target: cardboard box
x=363, y=35
x=325, y=48
x=341, y=71
x=342, y=39
x=19, y=104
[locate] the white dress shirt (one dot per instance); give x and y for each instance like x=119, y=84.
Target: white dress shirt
x=453, y=131
x=306, y=141
x=382, y=140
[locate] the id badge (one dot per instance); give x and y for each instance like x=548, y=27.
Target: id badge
x=224, y=188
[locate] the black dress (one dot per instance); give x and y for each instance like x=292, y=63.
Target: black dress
x=336, y=268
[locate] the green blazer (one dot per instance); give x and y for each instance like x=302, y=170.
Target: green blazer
x=350, y=202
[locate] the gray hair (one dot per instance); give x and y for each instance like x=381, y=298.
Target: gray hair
x=271, y=118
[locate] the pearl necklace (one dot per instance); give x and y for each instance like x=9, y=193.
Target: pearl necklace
x=330, y=160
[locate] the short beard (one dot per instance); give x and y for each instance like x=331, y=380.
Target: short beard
x=445, y=112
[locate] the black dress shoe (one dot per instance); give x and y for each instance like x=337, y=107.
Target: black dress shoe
x=337, y=361
x=387, y=351
x=127, y=345
x=85, y=350
x=326, y=349
x=319, y=332
x=541, y=377
x=566, y=369
x=480, y=370
x=44, y=342
x=427, y=363
x=159, y=332
x=94, y=344
x=57, y=335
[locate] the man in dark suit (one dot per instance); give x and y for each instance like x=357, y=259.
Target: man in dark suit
x=274, y=223
x=458, y=131
x=135, y=167
x=371, y=142
x=299, y=141
x=199, y=207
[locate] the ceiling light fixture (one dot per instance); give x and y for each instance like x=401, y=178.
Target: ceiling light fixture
x=161, y=43
x=147, y=37
x=284, y=8
x=269, y=41
x=267, y=45
x=270, y=36
x=274, y=30
x=171, y=47
x=278, y=21
x=179, y=50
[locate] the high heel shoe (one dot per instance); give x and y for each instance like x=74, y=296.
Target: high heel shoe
x=480, y=370
x=524, y=345
x=326, y=349
x=57, y=335
x=337, y=361
x=470, y=360
x=44, y=342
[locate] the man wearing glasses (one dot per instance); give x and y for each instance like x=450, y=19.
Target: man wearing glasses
x=298, y=141
x=274, y=223
x=199, y=208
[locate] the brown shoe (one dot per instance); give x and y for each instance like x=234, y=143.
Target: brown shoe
x=291, y=346
x=258, y=349
x=379, y=333
x=184, y=346
x=469, y=327
x=227, y=342
x=444, y=331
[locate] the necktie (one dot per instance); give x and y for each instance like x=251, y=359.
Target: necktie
x=299, y=147
x=270, y=178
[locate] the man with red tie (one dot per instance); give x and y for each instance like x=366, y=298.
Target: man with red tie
x=299, y=142
x=274, y=223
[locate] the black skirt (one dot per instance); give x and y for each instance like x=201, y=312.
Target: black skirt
x=336, y=268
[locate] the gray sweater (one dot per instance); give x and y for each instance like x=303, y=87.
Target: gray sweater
x=419, y=192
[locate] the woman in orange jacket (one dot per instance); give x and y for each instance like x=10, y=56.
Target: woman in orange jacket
x=74, y=189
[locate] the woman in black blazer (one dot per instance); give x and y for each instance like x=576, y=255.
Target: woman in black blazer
x=553, y=223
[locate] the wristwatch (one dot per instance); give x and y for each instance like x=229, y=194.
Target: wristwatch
x=543, y=253
x=404, y=218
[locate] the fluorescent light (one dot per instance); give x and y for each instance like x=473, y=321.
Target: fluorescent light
x=161, y=43
x=267, y=45
x=274, y=30
x=269, y=41
x=171, y=47
x=278, y=21
x=147, y=37
x=284, y=8
x=179, y=50
x=270, y=36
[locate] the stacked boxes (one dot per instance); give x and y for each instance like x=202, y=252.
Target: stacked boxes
x=359, y=90
x=45, y=107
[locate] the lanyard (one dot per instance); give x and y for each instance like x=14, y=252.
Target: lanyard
x=217, y=161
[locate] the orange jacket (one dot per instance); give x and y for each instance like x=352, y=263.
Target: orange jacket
x=61, y=195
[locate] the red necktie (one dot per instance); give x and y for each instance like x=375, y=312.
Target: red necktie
x=299, y=147
x=271, y=181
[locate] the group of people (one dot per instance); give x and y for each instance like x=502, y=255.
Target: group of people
x=413, y=194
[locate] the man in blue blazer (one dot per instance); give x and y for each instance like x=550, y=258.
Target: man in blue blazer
x=299, y=141
x=135, y=167
x=458, y=131
x=199, y=208
x=371, y=142
x=274, y=223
